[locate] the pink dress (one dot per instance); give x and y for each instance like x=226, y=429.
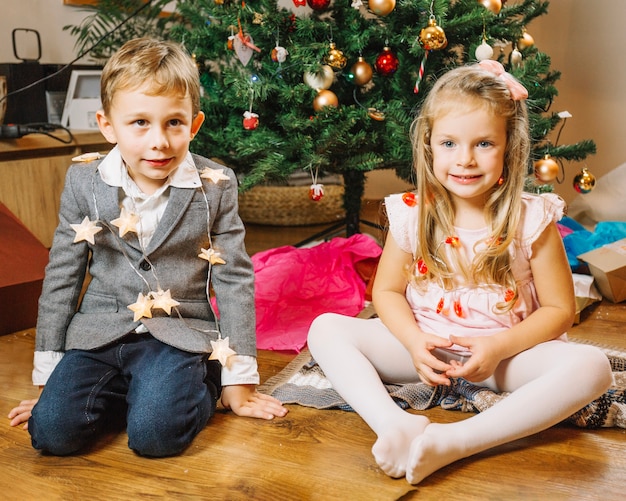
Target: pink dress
x=470, y=311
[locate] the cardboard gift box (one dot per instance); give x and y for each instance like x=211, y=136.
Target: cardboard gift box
x=608, y=267
x=22, y=264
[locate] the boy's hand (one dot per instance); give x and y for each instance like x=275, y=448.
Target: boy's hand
x=244, y=400
x=21, y=413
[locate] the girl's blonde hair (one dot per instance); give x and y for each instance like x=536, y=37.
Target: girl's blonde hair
x=468, y=87
x=164, y=66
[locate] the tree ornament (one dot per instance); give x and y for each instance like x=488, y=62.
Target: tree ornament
x=362, y=71
x=244, y=45
x=316, y=192
x=515, y=58
x=484, y=51
x=381, y=7
x=318, y=4
x=584, y=182
x=250, y=120
x=525, y=41
x=375, y=114
x=432, y=37
x=546, y=169
x=335, y=58
x=386, y=62
x=322, y=79
x=279, y=54
x=492, y=5
x=325, y=98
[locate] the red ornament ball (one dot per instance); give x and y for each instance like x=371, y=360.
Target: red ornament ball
x=318, y=4
x=387, y=62
x=316, y=192
x=250, y=120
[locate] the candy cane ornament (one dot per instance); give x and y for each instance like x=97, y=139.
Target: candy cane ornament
x=420, y=75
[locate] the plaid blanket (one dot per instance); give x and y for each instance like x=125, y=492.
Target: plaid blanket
x=303, y=382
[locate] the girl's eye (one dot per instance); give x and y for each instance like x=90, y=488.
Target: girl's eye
x=484, y=144
x=141, y=122
x=448, y=144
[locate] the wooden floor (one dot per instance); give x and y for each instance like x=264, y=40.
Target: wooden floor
x=309, y=454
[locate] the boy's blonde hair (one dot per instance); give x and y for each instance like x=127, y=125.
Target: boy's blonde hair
x=164, y=66
x=469, y=87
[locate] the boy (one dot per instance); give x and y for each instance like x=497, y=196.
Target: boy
x=156, y=228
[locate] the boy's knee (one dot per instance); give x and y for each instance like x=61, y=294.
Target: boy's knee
x=51, y=433
x=157, y=440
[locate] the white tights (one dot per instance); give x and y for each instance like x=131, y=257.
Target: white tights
x=548, y=383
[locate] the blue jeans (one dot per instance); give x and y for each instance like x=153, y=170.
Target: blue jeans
x=165, y=395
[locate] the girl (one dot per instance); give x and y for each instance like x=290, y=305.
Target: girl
x=473, y=283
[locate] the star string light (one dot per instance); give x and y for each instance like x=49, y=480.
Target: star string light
x=127, y=221
x=163, y=300
x=211, y=256
x=86, y=230
x=214, y=175
x=142, y=308
x=221, y=351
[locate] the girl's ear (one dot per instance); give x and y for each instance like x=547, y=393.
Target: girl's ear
x=106, y=128
x=197, y=123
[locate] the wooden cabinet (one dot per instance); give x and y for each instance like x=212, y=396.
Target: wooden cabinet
x=32, y=173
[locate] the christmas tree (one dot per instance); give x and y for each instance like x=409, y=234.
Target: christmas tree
x=333, y=88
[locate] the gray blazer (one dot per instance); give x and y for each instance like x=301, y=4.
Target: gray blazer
x=103, y=315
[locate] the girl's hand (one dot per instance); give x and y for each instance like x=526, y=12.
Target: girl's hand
x=21, y=413
x=431, y=370
x=244, y=400
x=483, y=362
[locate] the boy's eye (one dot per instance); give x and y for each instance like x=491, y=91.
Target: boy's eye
x=175, y=122
x=140, y=122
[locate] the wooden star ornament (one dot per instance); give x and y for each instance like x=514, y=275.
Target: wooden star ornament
x=214, y=175
x=142, y=307
x=221, y=351
x=211, y=256
x=86, y=230
x=127, y=221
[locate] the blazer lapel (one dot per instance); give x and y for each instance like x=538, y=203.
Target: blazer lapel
x=180, y=198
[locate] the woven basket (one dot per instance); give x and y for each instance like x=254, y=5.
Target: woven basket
x=291, y=205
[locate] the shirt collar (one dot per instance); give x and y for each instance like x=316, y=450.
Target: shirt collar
x=113, y=171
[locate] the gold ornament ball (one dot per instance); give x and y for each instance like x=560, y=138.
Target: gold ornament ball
x=546, y=170
x=492, y=5
x=432, y=37
x=381, y=7
x=584, y=182
x=362, y=71
x=525, y=41
x=322, y=79
x=335, y=58
x=325, y=98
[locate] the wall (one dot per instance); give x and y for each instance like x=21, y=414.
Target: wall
x=584, y=38
x=47, y=17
